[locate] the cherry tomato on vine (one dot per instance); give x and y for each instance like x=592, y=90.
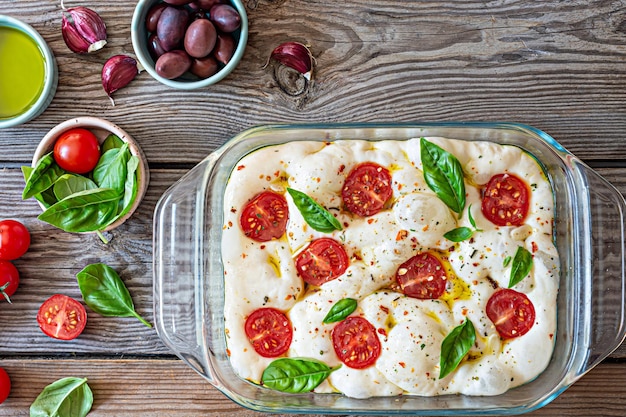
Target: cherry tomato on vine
x=506, y=200
x=62, y=317
x=366, y=189
x=265, y=217
x=9, y=279
x=511, y=312
x=5, y=385
x=77, y=150
x=269, y=331
x=14, y=239
x=356, y=343
x=323, y=260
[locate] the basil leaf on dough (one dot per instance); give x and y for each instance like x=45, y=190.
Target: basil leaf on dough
x=443, y=174
x=340, y=310
x=455, y=346
x=522, y=264
x=295, y=375
x=314, y=214
x=459, y=234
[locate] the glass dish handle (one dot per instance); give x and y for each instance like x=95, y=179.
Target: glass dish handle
x=178, y=269
x=603, y=323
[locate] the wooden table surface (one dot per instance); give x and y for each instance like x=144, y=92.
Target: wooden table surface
x=557, y=65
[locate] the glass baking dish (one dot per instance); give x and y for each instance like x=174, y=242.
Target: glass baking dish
x=589, y=235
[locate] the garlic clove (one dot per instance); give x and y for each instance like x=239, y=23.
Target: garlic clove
x=117, y=72
x=295, y=55
x=83, y=30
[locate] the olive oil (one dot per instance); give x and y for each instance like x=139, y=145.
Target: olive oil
x=22, y=72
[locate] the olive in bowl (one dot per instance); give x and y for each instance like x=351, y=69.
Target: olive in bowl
x=189, y=44
x=88, y=175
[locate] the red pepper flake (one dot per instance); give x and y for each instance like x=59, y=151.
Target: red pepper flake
x=262, y=247
x=406, y=313
x=402, y=364
x=228, y=352
x=342, y=167
x=384, y=309
x=402, y=234
x=382, y=331
x=277, y=174
x=370, y=221
x=464, y=311
x=244, y=256
x=535, y=247
x=230, y=224
x=240, y=167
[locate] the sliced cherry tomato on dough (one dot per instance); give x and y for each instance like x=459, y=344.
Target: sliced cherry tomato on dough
x=356, y=343
x=9, y=279
x=511, y=312
x=366, y=189
x=423, y=276
x=77, y=150
x=62, y=317
x=506, y=200
x=5, y=385
x=323, y=260
x=265, y=217
x=269, y=331
x=14, y=239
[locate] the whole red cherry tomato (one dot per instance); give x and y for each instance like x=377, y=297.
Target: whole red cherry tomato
x=9, y=279
x=77, y=150
x=5, y=385
x=14, y=239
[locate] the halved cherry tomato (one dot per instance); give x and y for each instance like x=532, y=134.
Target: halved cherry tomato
x=269, y=331
x=14, y=239
x=77, y=150
x=356, y=343
x=505, y=200
x=422, y=276
x=62, y=317
x=511, y=312
x=5, y=385
x=265, y=217
x=323, y=260
x=9, y=279
x=367, y=189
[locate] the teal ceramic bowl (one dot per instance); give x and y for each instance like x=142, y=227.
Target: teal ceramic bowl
x=139, y=37
x=30, y=107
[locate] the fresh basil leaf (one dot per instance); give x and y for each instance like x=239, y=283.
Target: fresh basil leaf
x=43, y=176
x=84, y=211
x=314, y=214
x=65, y=397
x=46, y=197
x=340, y=310
x=130, y=185
x=69, y=184
x=105, y=293
x=295, y=375
x=455, y=346
x=111, y=170
x=111, y=142
x=522, y=264
x=443, y=174
x=459, y=234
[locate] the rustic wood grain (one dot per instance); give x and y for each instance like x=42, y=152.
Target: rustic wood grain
x=168, y=388
x=556, y=65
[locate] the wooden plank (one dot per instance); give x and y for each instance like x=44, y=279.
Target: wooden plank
x=168, y=388
x=552, y=64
